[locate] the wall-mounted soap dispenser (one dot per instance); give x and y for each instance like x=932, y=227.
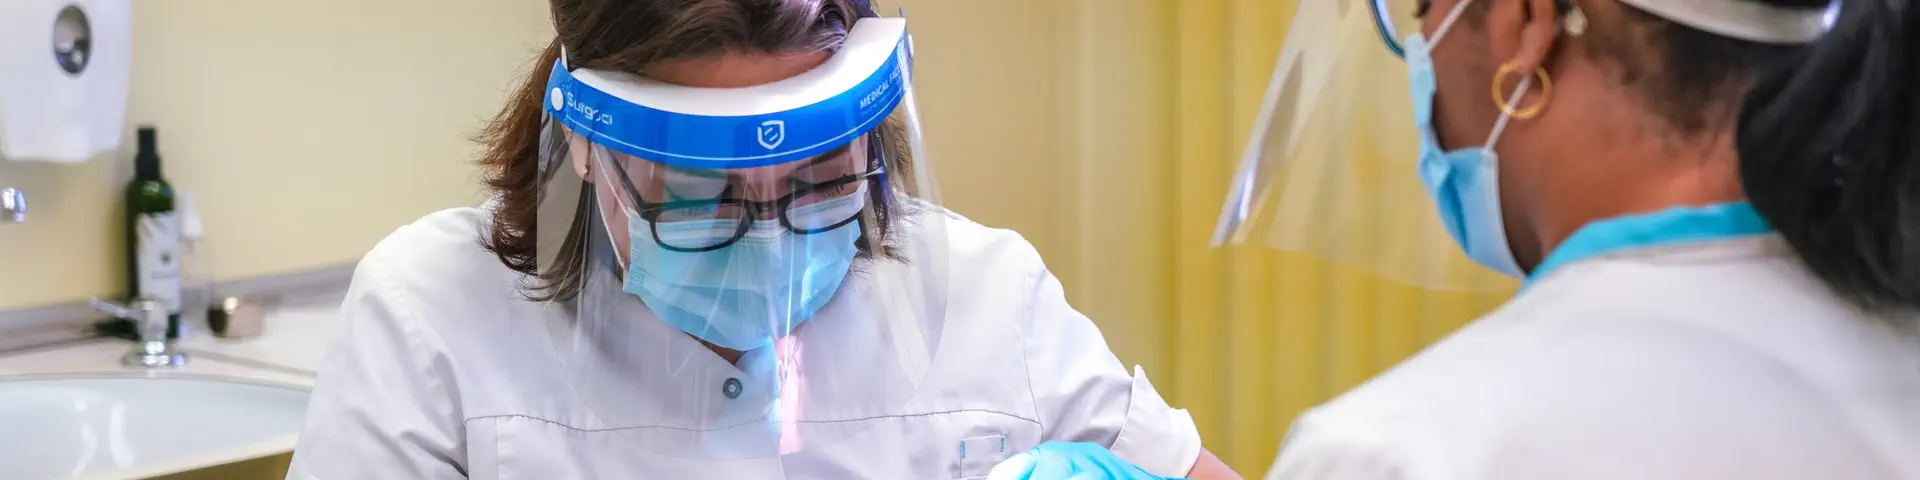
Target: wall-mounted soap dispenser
x=64, y=68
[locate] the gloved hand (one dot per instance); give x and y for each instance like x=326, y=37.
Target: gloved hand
x=1069, y=461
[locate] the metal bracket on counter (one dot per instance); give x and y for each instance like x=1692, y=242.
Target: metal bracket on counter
x=13, y=206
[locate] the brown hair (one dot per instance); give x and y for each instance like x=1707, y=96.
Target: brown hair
x=630, y=36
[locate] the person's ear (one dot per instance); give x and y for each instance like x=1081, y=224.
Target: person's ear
x=580, y=152
x=1524, y=32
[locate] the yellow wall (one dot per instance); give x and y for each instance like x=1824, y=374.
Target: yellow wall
x=309, y=130
x=1154, y=101
x=1103, y=130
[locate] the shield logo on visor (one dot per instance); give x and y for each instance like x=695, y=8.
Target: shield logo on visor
x=772, y=133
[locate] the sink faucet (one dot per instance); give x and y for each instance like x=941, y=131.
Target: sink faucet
x=150, y=317
x=13, y=205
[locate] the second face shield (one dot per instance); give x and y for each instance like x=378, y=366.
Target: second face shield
x=1332, y=169
x=753, y=271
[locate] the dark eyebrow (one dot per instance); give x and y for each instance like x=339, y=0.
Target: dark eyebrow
x=821, y=158
x=816, y=160
x=831, y=154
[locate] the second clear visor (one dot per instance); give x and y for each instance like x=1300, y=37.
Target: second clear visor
x=1331, y=167
x=769, y=291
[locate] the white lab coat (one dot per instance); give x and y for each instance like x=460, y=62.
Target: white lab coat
x=445, y=373
x=1723, y=360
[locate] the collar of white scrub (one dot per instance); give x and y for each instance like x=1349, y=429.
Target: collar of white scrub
x=1670, y=227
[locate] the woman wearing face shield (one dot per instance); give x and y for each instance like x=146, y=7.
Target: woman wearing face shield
x=715, y=249
x=1715, y=209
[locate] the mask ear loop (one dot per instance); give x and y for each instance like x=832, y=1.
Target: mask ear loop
x=1446, y=24
x=1509, y=105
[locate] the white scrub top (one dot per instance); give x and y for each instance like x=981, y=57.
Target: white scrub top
x=1679, y=345
x=447, y=372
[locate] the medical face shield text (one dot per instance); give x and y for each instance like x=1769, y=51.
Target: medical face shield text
x=792, y=225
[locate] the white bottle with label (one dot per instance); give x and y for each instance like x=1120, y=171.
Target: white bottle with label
x=196, y=280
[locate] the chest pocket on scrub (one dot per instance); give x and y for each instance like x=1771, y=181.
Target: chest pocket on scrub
x=978, y=455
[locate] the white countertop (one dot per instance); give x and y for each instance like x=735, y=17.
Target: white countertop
x=297, y=333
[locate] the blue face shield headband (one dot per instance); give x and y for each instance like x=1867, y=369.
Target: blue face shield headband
x=735, y=128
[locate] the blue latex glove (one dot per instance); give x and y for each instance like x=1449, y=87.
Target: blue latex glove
x=1069, y=461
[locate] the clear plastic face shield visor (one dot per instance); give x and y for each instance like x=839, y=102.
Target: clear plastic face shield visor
x=761, y=270
x=1332, y=167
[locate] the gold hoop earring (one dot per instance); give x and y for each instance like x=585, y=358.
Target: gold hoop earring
x=1500, y=99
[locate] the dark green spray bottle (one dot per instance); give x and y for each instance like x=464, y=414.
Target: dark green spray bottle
x=153, y=234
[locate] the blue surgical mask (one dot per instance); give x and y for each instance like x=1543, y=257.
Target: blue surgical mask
x=1464, y=183
x=747, y=294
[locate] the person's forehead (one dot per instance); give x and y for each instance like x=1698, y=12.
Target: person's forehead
x=838, y=159
x=735, y=70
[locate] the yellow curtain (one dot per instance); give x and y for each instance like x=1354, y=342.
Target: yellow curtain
x=1159, y=97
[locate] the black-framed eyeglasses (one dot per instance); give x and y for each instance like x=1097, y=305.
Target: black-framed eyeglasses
x=1383, y=24
x=810, y=209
